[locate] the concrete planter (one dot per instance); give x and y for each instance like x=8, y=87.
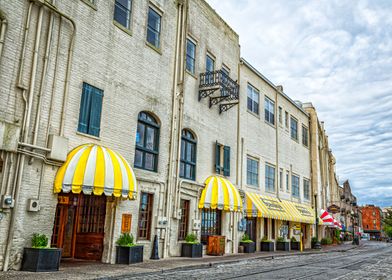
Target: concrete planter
x=282, y=246
x=128, y=255
x=249, y=247
x=295, y=245
x=192, y=250
x=41, y=259
x=267, y=246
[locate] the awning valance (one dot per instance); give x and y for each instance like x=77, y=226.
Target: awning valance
x=257, y=205
x=220, y=193
x=91, y=168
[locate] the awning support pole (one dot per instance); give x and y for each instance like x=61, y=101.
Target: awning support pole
x=317, y=245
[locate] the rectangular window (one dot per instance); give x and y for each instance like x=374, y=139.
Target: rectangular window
x=153, y=28
x=266, y=227
x=252, y=172
x=190, y=56
x=280, y=115
x=269, y=178
x=269, y=110
x=183, y=224
x=225, y=70
x=306, y=189
x=211, y=222
x=90, y=110
x=305, y=136
x=122, y=12
x=295, y=185
x=145, y=216
x=281, y=179
x=210, y=64
x=287, y=181
x=253, y=99
x=286, y=119
x=222, y=164
x=293, y=128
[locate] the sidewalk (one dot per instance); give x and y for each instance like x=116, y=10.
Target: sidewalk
x=76, y=270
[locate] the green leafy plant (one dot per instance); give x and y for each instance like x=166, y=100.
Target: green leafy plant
x=314, y=240
x=292, y=239
x=125, y=240
x=246, y=239
x=265, y=239
x=39, y=241
x=191, y=238
x=280, y=239
x=326, y=241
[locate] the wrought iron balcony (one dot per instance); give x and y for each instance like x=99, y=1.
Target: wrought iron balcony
x=219, y=82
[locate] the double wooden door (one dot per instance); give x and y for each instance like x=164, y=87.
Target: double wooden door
x=79, y=226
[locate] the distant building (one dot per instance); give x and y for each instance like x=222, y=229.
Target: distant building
x=371, y=220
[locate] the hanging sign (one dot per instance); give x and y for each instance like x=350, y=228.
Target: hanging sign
x=333, y=208
x=126, y=223
x=63, y=199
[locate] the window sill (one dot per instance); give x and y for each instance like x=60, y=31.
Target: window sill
x=253, y=114
x=307, y=147
x=190, y=73
x=144, y=169
x=123, y=28
x=270, y=191
x=252, y=187
x=91, y=5
x=270, y=124
x=158, y=50
x=295, y=140
x=88, y=135
x=143, y=242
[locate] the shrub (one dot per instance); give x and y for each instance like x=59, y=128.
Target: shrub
x=326, y=241
x=314, y=240
x=191, y=238
x=265, y=239
x=39, y=241
x=292, y=239
x=245, y=239
x=125, y=240
x=280, y=239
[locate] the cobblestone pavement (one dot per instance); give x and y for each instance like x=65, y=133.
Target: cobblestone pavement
x=372, y=261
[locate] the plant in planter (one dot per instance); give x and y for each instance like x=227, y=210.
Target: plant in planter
x=266, y=245
x=314, y=241
x=326, y=241
x=127, y=251
x=40, y=257
x=248, y=244
x=192, y=248
x=294, y=244
x=282, y=244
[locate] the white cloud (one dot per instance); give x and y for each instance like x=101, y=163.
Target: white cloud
x=338, y=55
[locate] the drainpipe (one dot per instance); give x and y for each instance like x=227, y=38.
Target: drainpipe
x=18, y=178
x=276, y=145
x=3, y=24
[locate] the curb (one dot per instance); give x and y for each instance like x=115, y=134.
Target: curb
x=223, y=262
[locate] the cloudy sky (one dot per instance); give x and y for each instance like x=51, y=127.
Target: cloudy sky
x=338, y=55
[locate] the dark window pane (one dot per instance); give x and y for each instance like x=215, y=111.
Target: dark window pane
x=140, y=134
x=122, y=12
x=149, y=161
x=154, y=27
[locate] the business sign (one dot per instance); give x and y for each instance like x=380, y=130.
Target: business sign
x=272, y=205
x=303, y=211
x=333, y=208
x=126, y=222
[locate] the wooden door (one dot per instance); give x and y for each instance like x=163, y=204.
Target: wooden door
x=251, y=224
x=79, y=226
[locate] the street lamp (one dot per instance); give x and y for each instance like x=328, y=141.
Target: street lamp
x=316, y=245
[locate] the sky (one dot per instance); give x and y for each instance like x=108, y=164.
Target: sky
x=336, y=54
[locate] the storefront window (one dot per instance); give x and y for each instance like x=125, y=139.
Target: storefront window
x=211, y=221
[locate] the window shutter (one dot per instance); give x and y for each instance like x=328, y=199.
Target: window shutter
x=226, y=160
x=84, y=111
x=217, y=158
x=95, y=113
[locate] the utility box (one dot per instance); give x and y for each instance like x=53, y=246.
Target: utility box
x=161, y=222
x=33, y=205
x=58, y=146
x=196, y=224
x=9, y=136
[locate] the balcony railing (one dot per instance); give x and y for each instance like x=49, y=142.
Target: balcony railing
x=219, y=81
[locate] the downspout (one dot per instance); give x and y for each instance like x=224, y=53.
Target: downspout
x=3, y=24
x=18, y=178
x=276, y=144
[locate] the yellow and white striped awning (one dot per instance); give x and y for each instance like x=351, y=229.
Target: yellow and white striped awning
x=220, y=193
x=96, y=169
x=301, y=213
x=257, y=205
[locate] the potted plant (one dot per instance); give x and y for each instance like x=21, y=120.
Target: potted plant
x=192, y=248
x=249, y=245
x=127, y=251
x=266, y=245
x=282, y=244
x=294, y=244
x=314, y=241
x=40, y=257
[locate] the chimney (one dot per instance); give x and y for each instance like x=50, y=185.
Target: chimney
x=280, y=88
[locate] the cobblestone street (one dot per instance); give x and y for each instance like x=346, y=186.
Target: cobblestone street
x=372, y=261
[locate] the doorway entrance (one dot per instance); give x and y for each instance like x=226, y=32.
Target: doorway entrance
x=251, y=224
x=79, y=226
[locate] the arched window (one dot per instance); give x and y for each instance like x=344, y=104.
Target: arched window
x=147, y=138
x=188, y=155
